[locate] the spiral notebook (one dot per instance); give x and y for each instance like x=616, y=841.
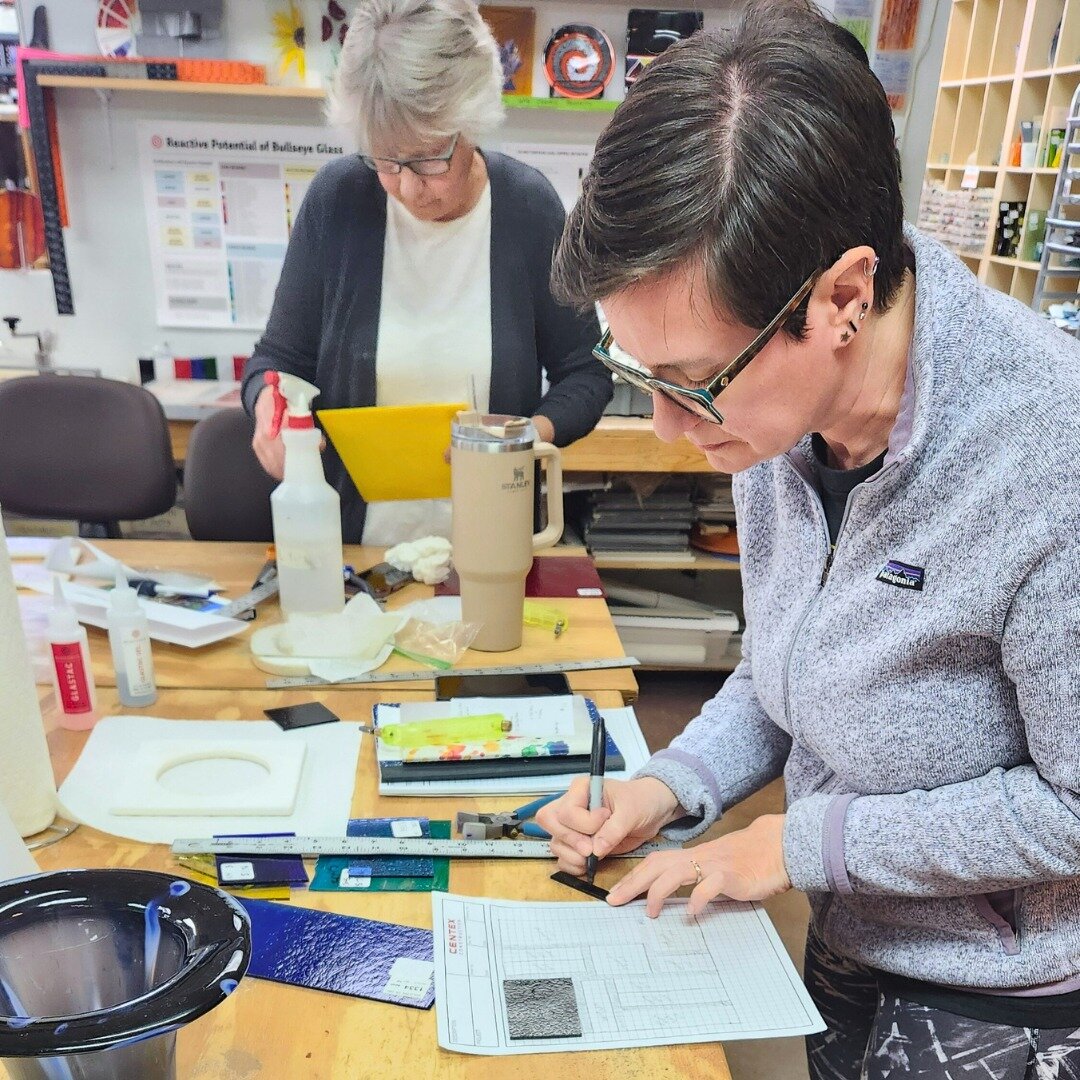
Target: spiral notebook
x=551, y=736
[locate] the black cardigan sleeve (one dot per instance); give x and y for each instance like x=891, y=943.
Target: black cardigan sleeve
x=580, y=386
x=290, y=342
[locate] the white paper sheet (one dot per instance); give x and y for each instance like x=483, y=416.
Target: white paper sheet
x=564, y=164
x=592, y=977
x=622, y=726
x=31, y=575
x=83, y=560
x=173, y=625
x=29, y=547
x=323, y=800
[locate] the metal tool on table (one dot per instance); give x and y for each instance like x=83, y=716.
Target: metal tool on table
x=359, y=846
x=355, y=583
x=557, y=666
x=262, y=588
x=508, y=824
x=265, y=585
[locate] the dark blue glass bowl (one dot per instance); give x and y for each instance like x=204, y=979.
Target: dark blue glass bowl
x=99, y=959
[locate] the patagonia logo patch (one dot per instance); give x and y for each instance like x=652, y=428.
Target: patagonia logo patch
x=902, y=575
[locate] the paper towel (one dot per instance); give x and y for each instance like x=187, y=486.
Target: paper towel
x=26, y=778
x=15, y=859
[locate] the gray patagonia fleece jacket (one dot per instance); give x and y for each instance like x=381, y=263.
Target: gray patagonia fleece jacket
x=920, y=691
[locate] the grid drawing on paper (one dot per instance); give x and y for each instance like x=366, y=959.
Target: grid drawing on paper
x=637, y=977
x=613, y=977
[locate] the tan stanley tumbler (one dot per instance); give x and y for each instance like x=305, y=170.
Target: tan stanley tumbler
x=491, y=473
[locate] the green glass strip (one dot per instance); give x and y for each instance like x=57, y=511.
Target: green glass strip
x=328, y=872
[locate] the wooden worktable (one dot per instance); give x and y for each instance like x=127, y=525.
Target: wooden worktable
x=617, y=444
x=277, y=1032
x=228, y=665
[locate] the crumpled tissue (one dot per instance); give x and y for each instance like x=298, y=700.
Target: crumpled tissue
x=427, y=559
x=359, y=632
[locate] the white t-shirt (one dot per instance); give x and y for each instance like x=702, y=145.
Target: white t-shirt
x=434, y=333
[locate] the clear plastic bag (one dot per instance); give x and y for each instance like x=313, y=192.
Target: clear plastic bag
x=440, y=645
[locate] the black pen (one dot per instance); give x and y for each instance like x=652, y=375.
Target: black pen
x=597, y=761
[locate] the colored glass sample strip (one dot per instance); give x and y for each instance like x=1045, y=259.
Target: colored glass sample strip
x=264, y=870
x=260, y=869
x=341, y=954
x=391, y=865
x=329, y=871
x=205, y=873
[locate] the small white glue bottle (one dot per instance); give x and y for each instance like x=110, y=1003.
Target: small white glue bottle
x=129, y=640
x=69, y=654
x=304, y=508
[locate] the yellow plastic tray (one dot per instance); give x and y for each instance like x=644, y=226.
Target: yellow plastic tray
x=394, y=452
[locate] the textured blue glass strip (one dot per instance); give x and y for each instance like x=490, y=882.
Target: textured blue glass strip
x=339, y=953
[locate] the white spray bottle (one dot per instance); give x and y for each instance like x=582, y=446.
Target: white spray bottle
x=306, y=510
x=129, y=640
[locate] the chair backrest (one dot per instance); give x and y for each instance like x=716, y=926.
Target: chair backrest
x=92, y=449
x=226, y=490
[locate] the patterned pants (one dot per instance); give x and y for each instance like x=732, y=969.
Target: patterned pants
x=874, y=1036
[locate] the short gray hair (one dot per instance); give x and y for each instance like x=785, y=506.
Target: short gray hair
x=426, y=69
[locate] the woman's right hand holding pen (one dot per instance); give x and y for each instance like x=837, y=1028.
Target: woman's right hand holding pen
x=634, y=811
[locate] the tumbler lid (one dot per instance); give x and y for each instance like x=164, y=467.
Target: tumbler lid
x=492, y=432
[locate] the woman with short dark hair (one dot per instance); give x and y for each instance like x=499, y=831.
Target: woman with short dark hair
x=905, y=442
x=417, y=271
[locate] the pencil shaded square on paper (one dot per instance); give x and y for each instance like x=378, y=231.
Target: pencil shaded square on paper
x=541, y=1008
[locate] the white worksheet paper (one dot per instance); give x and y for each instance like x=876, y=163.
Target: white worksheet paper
x=622, y=726
x=636, y=981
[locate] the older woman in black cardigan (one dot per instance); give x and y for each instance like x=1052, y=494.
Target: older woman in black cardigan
x=418, y=270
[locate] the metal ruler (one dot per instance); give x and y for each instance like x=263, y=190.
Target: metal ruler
x=554, y=666
x=248, y=601
x=414, y=847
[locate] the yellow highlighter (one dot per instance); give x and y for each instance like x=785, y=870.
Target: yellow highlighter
x=443, y=732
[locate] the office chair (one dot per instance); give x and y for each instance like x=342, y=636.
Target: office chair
x=226, y=490
x=96, y=450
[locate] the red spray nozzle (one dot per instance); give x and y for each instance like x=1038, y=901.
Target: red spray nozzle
x=273, y=380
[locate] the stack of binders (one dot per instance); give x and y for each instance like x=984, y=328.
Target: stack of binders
x=622, y=523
